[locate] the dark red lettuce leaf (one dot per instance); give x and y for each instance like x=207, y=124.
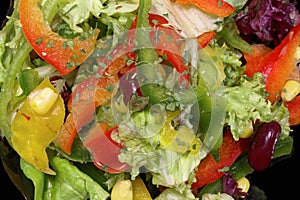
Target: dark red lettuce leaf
x=229, y=186
x=267, y=21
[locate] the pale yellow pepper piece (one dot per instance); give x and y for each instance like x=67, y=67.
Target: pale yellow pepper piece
x=122, y=190
x=32, y=133
x=140, y=191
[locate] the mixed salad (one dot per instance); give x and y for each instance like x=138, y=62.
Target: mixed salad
x=149, y=99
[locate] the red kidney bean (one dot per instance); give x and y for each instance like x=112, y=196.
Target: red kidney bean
x=262, y=146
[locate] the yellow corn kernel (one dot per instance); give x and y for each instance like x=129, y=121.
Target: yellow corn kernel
x=290, y=90
x=42, y=100
x=244, y=184
x=122, y=190
x=248, y=131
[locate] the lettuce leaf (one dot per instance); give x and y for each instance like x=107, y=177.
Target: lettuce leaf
x=68, y=183
x=267, y=21
x=14, y=52
x=246, y=102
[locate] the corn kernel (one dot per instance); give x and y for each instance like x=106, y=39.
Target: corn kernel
x=290, y=90
x=41, y=101
x=248, y=131
x=244, y=184
x=122, y=190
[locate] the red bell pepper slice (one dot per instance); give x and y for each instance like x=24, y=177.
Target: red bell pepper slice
x=205, y=38
x=64, y=54
x=105, y=150
x=168, y=45
x=217, y=7
x=66, y=135
x=210, y=170
x=278, y=64
x=294, y=109
x=89, y=94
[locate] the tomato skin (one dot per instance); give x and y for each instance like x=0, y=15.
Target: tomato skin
x=64, y=54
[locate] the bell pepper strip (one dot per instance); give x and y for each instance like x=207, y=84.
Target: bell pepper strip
x=166, y=43
x=66, y=135
x=63, y=54
x=210, y=170
x=33, y=132
x=278, y=64
x=205, y=38
x=294, y=109
x=258, y=52
x=105, y=150
x=89, y=94
x=216, y=7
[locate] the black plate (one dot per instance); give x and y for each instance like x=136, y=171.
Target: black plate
x=280, y=181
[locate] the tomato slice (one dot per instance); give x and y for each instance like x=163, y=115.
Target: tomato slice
x=63, y=54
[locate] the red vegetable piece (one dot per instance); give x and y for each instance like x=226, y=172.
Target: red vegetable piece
x=261, y=148
x=210, y=170
x=205, y=38
x=217, y=7
x=105, y=150
x=278, y=64
x=294, y=109
x=64, y=54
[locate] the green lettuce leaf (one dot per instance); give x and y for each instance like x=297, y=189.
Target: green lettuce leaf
x=247, y=102
x=14, y=52
x=68, y=183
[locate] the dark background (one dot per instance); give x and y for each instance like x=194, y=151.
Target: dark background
x=280, y=181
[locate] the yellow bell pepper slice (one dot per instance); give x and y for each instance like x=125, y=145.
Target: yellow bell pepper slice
x=33, y=131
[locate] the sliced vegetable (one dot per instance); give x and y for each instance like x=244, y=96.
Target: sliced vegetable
x=89, y=94
x=122, y=190
x=105, y=150
x=210, y=170
x=217, y=7
x=205, y=38
x=140, y=191
x=33, y=132
x=254, y=58
x=66, y=135
x=278, y=64
x=294, y=110
x=64, y=54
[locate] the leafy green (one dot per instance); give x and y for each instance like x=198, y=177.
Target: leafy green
x=231, y=59
x=173, y=194
x=68, y=183
x=247, y=102
x=14, y=51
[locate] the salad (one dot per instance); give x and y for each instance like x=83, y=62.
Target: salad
x=148, y=99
